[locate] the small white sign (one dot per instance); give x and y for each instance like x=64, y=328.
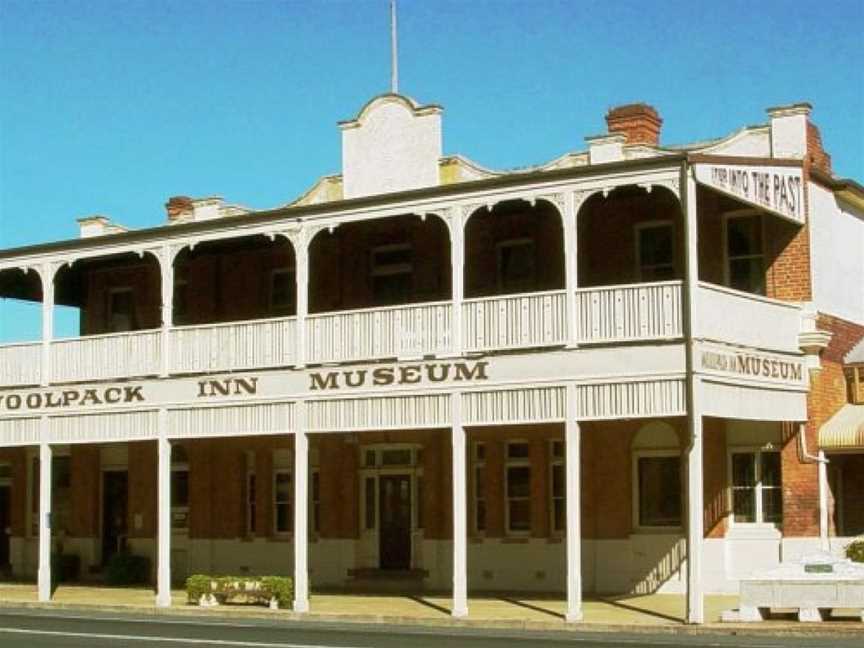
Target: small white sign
x=779, y=190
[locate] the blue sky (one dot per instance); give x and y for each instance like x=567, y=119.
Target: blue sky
x=111, y=107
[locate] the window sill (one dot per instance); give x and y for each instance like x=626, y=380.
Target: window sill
x=657, y=530
x=753, y=531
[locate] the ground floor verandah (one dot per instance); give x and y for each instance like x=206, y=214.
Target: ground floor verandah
x=382, y=504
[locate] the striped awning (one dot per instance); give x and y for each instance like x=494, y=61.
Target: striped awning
x=844, y=430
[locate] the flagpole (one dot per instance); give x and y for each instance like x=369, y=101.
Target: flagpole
x=394, y=50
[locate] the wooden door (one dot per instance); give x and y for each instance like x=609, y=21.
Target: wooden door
x=395, y=521
x=5, y=523
x=115, y=489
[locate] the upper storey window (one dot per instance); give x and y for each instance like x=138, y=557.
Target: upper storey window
x=655, y=251
x=392, y=270
x=745, y=256
x=121, y=311
x=282, y=291
x=516, y=265
x=181, y=294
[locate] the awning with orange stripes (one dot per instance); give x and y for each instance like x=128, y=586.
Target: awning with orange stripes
x=844, y=430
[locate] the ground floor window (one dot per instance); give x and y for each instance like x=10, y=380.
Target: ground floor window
x=518, y=487
x=283, y=493
x=557, y=487
x=658, y=477
x=479, y=487
x=757, y=494
x=179, y=488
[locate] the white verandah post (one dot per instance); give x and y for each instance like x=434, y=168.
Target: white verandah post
x=570, y=264
x=695, y=494
x=163, y=515
x=460, y=515
x=44, y=575
x=456, y=223
x=301, y=275
x=301, y=511
x=166, y=265
x=573, y=486
x=46, y=273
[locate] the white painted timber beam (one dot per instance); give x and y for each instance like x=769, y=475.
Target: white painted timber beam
x=44, y=574
x=163, y=515
x=695, y=477
x=573, y=486
x=301, y=512
x=46, y=273
x=460, y=515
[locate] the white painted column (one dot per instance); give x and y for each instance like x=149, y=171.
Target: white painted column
x=457, y=266
x=695, y=477
x=301, y=511
x=44, y=575
x=573, y=486
x=460, y=514
x=570, y=265
x=301, y=276
x=695, y=509
x=823, y=501
x=166, y=265
x=163, y=515
x=46, y=273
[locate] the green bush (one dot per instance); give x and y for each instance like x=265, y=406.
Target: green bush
x=280, y=588
x=196, y=587
x=251, y=589
x=855, y=551
x=127, y=569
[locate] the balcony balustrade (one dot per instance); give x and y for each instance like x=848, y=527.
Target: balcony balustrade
x=604, y=315
x=736, y=317
x=21, y=364
x=233, y=346
x=102, y=357
x=515, y=321
x=401, y=331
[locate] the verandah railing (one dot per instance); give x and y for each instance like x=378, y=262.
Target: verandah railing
x=603, y=315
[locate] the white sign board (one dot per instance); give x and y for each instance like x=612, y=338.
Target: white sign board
x=779, y=190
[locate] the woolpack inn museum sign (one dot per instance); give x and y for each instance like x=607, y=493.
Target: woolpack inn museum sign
x=238, y=387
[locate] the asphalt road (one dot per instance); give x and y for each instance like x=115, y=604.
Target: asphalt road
x=44, y=629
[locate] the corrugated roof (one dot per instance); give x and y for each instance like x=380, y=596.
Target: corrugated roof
x=844, y=430
x=856, y=355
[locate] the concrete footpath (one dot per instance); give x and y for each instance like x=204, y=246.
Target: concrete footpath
x=656, y=613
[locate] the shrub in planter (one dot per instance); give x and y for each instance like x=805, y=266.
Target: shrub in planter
x=280, y=588
x=241, y=589
x=196, y=587
x=127, y=569
x=855, y=550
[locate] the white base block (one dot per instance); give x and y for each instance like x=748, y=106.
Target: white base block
x=809, y=615
x=749, y=614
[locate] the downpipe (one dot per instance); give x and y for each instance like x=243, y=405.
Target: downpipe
x=823, y=484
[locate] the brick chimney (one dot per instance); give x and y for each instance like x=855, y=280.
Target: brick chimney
x=178, y=207
x=816, y=155
x=639, y=123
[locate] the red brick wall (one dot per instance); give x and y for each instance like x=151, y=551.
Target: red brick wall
x=84, y=477
x=607, y=234
x=142, y=277
x=507, y=221
x=17, y=459
x=714, y=470
x=142, y=488
x=827, y=395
